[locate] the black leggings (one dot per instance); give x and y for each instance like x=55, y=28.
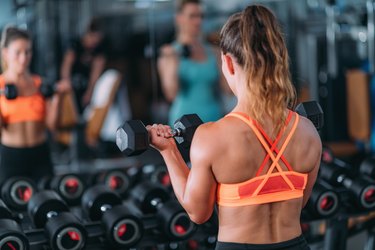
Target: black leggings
x=33, y=162
x=298, y=243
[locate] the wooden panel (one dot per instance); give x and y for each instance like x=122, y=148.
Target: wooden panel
x=68, y=115
x=358, y=105
x=96, y=121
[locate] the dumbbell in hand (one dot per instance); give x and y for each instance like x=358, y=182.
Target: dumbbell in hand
x=154, y=199
x=123, y=229
x=313, y=112
x=132, y=137
x=64, y=231
x=11, y=234
x=46, y=89
x=10, y=91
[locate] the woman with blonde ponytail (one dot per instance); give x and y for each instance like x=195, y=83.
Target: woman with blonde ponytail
x=24, y=120
x=258, y=163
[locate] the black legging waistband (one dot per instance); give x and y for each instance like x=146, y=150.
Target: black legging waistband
x=33, y=162
x=298, y=243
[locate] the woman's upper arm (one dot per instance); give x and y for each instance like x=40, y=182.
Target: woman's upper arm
x=68, y=61
x=200, y=192
x=312, y=175
x=167, y=66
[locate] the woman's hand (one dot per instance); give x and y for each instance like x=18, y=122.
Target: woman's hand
x=161, y=137
x=86, y=98
x=63, y=86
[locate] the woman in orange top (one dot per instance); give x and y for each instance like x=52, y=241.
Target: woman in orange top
x=260, y=162
x=23, y=121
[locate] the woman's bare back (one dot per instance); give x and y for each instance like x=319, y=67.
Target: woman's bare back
x=239, y=156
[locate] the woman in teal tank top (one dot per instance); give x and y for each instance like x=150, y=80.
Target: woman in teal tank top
x=197, y=82
x=189, y=70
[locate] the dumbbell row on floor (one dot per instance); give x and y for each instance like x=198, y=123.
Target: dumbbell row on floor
x=324, y=202
x=17, y=191
x=354, y=188
x=11, y=233
x=149, y=202
x=47, y=208
x=146, y=204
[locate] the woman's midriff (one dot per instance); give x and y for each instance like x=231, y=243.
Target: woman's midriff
x=23, y=134
x=260, y=224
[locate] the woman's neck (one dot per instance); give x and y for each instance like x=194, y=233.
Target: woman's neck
x=14, y=76
x=188, y=39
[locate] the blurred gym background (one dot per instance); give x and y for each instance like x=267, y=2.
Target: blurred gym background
x=331, y=46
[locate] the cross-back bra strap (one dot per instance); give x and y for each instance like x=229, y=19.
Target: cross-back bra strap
x=266, y=147
x=273, y=145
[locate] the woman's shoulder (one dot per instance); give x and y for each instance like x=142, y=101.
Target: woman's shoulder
x=37, y=79
x=168, y=50
x=2, y=81
x=210, y=133
x=206, y=140
x=307, y=141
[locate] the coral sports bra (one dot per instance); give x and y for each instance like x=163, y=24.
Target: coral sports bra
x=277, y=184
x=23, y=108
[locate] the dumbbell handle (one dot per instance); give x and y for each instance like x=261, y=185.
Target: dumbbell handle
x=156, y=202
x=105, y=207
x=51, y=214
x=177, y=132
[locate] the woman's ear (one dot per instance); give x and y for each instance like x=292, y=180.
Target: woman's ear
x=228, y=63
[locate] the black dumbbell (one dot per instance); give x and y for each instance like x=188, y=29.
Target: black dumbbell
x=115, y=179
x=69, y=186
x=11, y=234
x=367, y=167
x=10, y=91
x=64, y=231
x=313, y=112
x=324, y=200
x=152, y=198
x=339, y=173
x=157, y=174
x=185, y=51
x=17, y=192
x=47, y=89
x=132, y=137
x=122, y=227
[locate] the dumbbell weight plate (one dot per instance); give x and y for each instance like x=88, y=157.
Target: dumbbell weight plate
x=122, y=228
x=146, y=192
x=116, y=180
x=11, y=236
x=323, y=200
x=5, y=213
x=95, y=197
x=70, y=187
x=132, y=138
x=367, y=167
x=42, y=203
x=313, y=112
x=17, y=192
x=175, y=221
x=66, y=232
x=161, y=175
x=10, y=91
x=188, y=124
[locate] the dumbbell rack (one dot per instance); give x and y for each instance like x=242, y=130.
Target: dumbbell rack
x=95, y=239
